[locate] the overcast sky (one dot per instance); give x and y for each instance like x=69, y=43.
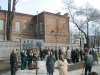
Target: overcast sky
x=32, y=6
x=54, y=6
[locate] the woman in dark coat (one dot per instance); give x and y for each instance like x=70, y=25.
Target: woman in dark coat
x=50, y=63
x=13, y=63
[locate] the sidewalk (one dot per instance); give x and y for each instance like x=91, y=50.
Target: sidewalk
x=96, y=68
x=42, y=71
x=4, y=66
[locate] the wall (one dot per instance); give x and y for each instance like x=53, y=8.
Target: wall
x=6, y=48
x=56, y=29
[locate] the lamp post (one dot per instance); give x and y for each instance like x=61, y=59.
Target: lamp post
x=37, y=25
x=57, y=30
x=37, y=29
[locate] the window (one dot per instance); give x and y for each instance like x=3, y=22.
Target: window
x=41, y=27
x=37, y=28
x=24, y=25
x=1, y=24
x=17, y=27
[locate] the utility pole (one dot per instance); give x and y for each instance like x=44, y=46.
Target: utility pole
x=87, y=35
x=37, y=26
x=37, y=29
x=56, y=36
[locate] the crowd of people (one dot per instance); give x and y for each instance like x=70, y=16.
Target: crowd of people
x=26, y=57
x=61, y=57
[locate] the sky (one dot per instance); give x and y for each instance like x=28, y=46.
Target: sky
x=37, y=6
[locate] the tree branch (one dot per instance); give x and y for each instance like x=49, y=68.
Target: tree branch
x=76, y=23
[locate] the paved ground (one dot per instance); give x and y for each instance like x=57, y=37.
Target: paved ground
x=42, y=71
x=4, y=66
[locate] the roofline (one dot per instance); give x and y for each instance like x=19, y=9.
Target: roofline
x=17, y=13
x=45, y=12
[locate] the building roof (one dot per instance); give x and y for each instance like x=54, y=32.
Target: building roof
x=44, y=12
x=54, y=14
x=22, y=14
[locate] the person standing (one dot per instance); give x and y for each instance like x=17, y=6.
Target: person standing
x=68, y=55
x=81, y=54
x=88, y=62
x=62, y=65
x=13, y=62
x=73, y=56
x=23, y=60
x=56, y=54
x=50, y=63
x=77, y=55
x=29, y=58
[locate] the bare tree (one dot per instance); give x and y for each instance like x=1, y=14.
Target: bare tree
x=10, y=16
x=82, y=17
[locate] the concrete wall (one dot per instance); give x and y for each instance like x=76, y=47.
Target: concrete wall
x=6, y=47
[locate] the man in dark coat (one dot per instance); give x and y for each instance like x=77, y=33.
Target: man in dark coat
x=50, y=63
x=13, y=63
x=73, y=55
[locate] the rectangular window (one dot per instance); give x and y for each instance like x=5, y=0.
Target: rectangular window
x=37, y=28
x=41, y=27
x=1, y=24
x=17, y=27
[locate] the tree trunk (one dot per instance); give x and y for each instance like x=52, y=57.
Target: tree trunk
x=10, y=16
x=8, y=29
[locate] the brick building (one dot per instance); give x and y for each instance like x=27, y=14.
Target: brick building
x=52, y=28
x=21, y=28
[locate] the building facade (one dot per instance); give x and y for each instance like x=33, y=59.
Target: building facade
x=52, y=28
x=21, y=28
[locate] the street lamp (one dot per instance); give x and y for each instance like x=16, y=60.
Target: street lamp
x=37, y=25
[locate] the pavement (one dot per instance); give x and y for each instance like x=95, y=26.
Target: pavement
x=4, y=66
x=42, y=70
